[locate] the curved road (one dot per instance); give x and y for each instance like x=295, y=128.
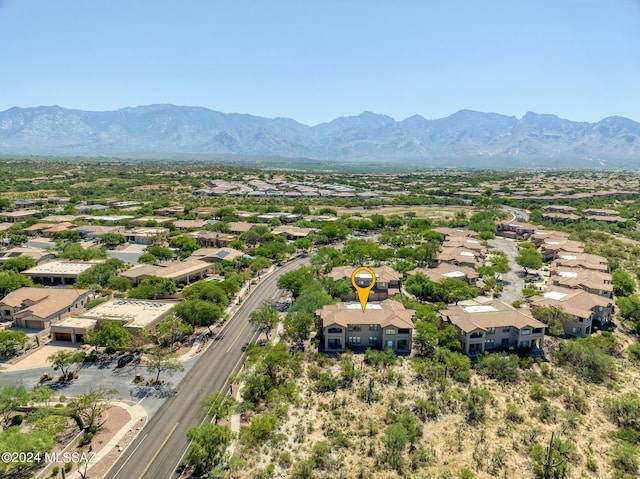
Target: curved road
x=159, y=448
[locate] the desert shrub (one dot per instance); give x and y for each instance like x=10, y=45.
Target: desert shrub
x=513, y=414
x=501, y=367
x=625, y=457
x=326, y=382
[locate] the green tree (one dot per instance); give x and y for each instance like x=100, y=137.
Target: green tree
x=208, y=445
x=111, y=240
x=295, y=280
x=11, y=398
x=453, y=290
x=19, y=263
x=589, y=358
x=186, y=244
x=63, y=360
x=553, y=317
x=153, y=288
x=259, y=263
x=10, y=281
x=119, y=283
x=264, y=319
x=111, y=335
x=171, y=330
x=297, y=327
x=529, y=258
x=88, y=408
x=501, y=367
x=198, y=312
x=161, y=360
x=159, y=252
x=207, y=291
x=147, y=258
x=13, y=440
x=623, y=283
x=395, y=439
x=11, y=341
x=217, y=405
x=629, y=307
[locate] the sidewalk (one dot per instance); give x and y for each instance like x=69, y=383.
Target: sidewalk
x=119, y=441
x=198, y=346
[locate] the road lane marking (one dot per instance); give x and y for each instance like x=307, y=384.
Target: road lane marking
x=222, y=389
x=130, y=456
x=173, y=429
x=238, y=336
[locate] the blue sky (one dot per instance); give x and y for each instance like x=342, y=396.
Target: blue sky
x=314, y=61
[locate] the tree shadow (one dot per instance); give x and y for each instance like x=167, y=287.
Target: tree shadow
x=161, y=391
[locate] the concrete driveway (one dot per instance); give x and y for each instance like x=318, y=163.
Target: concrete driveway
x=513, y=281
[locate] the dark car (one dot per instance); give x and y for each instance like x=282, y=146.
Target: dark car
x=126, y=359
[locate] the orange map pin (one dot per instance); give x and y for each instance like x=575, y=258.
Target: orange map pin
x=359, y=279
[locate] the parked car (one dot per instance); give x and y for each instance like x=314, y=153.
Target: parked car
x=126, y=359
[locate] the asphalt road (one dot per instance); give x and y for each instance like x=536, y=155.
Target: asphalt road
x=159, y=448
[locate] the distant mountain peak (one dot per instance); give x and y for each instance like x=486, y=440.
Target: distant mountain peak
x=466, y=138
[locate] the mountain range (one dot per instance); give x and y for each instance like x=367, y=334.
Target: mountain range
x=465, y=139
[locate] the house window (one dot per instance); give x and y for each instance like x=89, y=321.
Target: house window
x=374, y=327
x=354, y=339
x=506, y=329
x=403, y=344
x=334, y=343
x=334, y=330
x=574, y=330
x=390, y=331
x=505, y=342
x=600, y=308
x=525, y=332
x=404, y=331
x=7, y=312
x=354, y=327
x=538, y=330
x=491, y=330
x=374, y=340
x=489, y=343
x=475, y=334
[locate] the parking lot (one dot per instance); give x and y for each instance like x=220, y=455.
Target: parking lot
x=38, y=358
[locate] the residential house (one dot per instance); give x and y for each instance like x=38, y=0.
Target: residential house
x=586, y=309
x=38, y=254
x=180, y=271
x=59, y=271
x=592, y=281
x=146, y=235
x=582, y=260
x=461, y=257
x=387, y=324
x=215, y=239
x=387, y=281
x=293, y=232
x=215, y=255
x=135, y=315
x=447, y=270
x=494, y=326
x=38, y=308
x=95, y=232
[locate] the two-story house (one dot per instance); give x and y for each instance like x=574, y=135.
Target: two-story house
x=586, y=309
x=494, y=326
x=386, y=325
x=592, y=281
x=387, y=281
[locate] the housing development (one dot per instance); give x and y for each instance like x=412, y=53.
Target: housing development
x=206, y=320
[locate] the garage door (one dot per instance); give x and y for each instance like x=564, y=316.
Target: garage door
x=30, y=323
x=62, y=336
